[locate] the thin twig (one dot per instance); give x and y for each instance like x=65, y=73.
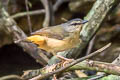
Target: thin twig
x=10, y=77
x=48, y=13
x=58, y=3
x=73, y=63
x=28, y=17
x=37, y=12
x=90, y=46
x=21, y=14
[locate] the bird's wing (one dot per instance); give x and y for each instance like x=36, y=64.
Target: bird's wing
x=52, y=32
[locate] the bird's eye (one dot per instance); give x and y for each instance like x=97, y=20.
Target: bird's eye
x=75, y=24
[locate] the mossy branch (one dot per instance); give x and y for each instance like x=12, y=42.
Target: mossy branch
x=97, y=14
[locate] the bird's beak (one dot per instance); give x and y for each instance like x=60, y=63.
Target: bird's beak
x=84, y=21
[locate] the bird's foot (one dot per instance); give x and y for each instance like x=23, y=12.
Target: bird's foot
x=64, y=61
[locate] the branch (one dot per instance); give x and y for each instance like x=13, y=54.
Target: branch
x=28, y=17
x=21, y=14
x=117, y=61
x=97, y=14
x=58, y=3
x=97, y=66
x=44, y=74
x=48, y=13
x=10, y=27
x=37, y=12
x=90, y=45
x=11, y=77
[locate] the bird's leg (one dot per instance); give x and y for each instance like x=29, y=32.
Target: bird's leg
x=60, y=57
x=54, y=53
x=64, y=60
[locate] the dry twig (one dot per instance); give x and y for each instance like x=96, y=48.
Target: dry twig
x=28, y=17
x=11, y=77
x=69, y=65
x=48, y=13
x=90, y=46
x=37, y=12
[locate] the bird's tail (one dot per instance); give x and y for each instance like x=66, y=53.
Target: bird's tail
x=37, y=39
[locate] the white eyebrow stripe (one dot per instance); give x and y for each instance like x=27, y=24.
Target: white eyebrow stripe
x=75, y=23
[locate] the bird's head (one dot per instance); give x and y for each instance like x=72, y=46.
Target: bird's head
x=74, y=24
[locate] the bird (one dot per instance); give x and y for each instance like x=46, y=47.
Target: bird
x=59, y=37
